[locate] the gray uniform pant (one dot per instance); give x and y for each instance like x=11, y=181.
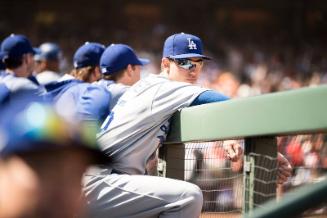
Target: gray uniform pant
x=141, y=196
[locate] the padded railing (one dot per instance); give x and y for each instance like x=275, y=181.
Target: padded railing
x=257, y=120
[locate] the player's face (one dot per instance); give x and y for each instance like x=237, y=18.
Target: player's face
x=28, y=59
x=185, y=70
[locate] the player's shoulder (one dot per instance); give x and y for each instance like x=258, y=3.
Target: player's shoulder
x=16, y=83
x=90, y=89
x=47, y=77
x=151, y=80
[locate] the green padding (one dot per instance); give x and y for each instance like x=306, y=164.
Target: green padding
x=290, y=112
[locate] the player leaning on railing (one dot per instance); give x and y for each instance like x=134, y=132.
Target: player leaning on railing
x=137, y=125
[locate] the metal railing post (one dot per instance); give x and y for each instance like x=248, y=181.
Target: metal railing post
x=260, y=171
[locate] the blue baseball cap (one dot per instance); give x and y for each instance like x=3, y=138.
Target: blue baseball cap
x=182, y=45
x=88, y=55
x=117, y=57
x=29, y=124
x=15, y=46
x=47, y=51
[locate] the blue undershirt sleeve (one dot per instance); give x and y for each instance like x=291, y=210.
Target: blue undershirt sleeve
x=209, y=96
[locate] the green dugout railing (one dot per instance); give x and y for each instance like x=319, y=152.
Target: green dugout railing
x=257, y=120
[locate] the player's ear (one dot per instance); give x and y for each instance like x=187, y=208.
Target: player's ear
x=165, y=65
x=24, y=59
x=129, y=70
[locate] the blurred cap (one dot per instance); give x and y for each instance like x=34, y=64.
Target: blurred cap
x=183, y=45
x=47, y=51
x=29, y=124
x=15, y=46
x=88, y=55
x=117, y=57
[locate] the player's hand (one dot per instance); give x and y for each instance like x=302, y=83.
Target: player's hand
x=233, y=150
x=284, y=169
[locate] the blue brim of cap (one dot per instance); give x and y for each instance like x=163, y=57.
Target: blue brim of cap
x=144, y=61
x=190, y=55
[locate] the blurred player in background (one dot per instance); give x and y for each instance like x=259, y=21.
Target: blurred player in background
x=42, y=159
x=47, y=62
x=121, y=68
x=17, y=55
x=74, y=95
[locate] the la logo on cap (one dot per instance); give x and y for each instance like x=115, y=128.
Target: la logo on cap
x=191, y=44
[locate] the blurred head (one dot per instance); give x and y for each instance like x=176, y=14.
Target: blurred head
x=42, y=159
x=183, y=58
x=120, y=63
x=86, y=62
x=47, y=57
x=226, y=83
x=18, y=55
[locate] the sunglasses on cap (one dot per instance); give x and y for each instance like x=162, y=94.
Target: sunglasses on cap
x=187, y=64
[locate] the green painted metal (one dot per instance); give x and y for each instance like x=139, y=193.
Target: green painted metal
x=282, y=113
x=260, y=153
x=294, y=203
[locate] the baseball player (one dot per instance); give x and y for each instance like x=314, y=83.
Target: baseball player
x=73, y=94
x=121, y=68
x=137, y=125
x=47, y=61
x=18, y=58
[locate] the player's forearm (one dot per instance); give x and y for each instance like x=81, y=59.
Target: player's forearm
x=209, y=96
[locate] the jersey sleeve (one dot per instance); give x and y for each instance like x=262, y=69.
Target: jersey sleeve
x=172, y=96
x=209, y=96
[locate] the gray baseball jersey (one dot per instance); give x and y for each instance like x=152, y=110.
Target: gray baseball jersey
x=16, y=83
x=140, y=121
